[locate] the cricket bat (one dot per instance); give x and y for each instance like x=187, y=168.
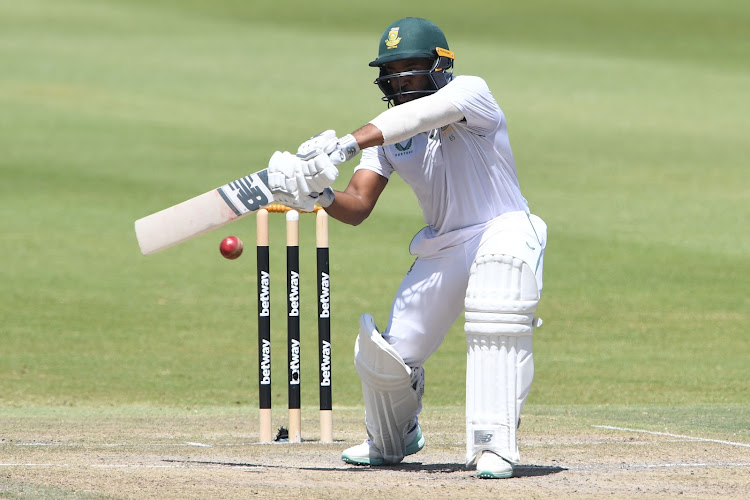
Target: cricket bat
x=203, y=213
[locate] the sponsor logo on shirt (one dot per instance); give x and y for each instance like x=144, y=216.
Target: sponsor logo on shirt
x=404, y=149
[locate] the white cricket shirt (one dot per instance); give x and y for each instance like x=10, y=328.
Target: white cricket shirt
x=463, y=174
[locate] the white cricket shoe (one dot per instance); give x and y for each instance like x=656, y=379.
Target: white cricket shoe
x=367, y=454
x=492, y=466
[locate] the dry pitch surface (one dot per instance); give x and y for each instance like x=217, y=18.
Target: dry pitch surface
x=196, y=455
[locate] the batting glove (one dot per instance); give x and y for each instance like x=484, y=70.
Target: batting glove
x=294, y=179
x=338, y=149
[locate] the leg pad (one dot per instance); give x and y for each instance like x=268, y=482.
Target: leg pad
x=391, y=402
x=501, y=300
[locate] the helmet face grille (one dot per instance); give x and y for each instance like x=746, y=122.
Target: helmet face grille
x=437, y=77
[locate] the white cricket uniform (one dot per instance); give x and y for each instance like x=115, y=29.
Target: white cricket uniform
x=465, y=180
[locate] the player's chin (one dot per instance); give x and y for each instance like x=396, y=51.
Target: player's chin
x=405, y=98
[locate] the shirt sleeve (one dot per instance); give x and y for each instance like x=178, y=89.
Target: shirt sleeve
x=472, y=96
x=414, y=117
x=374, y=159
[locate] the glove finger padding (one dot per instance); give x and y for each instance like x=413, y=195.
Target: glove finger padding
x=324, y=142
x=325, y=174
x=282, y=168
x=303, y=185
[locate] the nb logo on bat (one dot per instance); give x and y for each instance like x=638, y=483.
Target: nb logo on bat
x=247, y=194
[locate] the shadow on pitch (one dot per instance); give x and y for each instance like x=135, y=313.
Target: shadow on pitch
x=519, y=471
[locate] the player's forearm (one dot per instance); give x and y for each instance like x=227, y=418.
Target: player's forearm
x=368, y=136
x=355, y=203
x=348, y=209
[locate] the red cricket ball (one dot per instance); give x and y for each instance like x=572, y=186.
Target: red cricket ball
x=231, y=247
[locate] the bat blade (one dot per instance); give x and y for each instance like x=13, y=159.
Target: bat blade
x=203, y=213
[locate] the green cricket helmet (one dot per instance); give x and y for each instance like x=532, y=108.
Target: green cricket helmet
x=413, y=38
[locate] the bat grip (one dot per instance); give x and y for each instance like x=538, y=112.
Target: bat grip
x=346, y=149
x=337, y=157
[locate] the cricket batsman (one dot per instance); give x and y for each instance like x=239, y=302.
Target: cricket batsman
x=481, y=251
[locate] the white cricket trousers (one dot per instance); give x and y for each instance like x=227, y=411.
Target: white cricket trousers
x=431, y=296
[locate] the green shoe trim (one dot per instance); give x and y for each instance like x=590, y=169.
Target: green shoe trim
x=485, y=474
x=361, y=461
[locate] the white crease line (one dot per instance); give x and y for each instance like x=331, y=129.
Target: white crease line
x=117, y=445
x=187, y=443
x=692, y=438
x=33, y=465
x=100, y=466
x=634, y=467
x=135, y=466
x=657, y=466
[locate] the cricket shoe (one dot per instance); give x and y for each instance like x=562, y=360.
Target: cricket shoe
x=492, y=466
x=367, y=454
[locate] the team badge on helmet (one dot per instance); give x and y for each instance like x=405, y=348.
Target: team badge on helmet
x=393, y=39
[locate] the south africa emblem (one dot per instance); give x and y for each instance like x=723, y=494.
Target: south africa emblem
x=393, y=38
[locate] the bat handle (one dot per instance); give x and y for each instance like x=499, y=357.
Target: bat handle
x=345, y=149
x=337, y=157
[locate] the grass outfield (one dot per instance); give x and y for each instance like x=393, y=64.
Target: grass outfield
x=629, y=123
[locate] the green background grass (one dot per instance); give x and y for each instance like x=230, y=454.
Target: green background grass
x=629, y=122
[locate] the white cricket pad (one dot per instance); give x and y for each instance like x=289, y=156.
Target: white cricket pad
x=390, y=400
x=501, y=299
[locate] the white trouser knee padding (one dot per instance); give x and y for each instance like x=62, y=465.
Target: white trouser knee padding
x=390, y=400
x=501, y=299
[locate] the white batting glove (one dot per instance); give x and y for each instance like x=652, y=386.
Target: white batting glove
x=301, y=204
x=282, y=175
x=294, y=179
x=324, y=198
x=324, y=142
x=338, y=149
x=318, y=174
